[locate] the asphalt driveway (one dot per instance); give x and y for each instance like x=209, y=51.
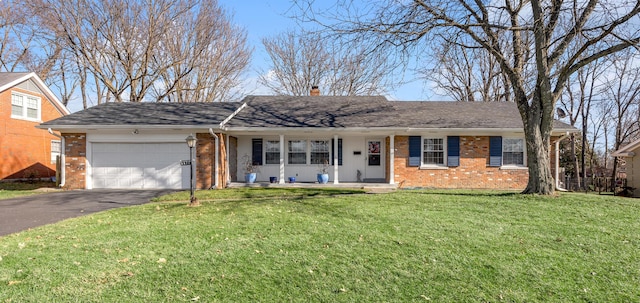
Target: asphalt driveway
x=22, y=213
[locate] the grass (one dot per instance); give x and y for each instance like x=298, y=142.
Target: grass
x=323, y=246
x=17, y=189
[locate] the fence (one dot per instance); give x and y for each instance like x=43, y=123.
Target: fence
x=599, y=184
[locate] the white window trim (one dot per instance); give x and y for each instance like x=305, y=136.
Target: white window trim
x=306, y=150
x=55, y=153
x=309, y=150
x=265, y=151
x=524, y=155
x=444, y=155
x=24, y=107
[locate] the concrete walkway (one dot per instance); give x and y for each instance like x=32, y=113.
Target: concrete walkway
x=22, y=213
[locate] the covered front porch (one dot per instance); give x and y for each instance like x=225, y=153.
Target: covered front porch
x=356, y=159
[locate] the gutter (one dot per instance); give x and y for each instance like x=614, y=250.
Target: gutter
x=558, y=162
x=63, y=175
x=217, y=158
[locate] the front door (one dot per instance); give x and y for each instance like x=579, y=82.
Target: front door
x=374, y=166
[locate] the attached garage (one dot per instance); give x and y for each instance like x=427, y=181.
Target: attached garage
x=139, y=165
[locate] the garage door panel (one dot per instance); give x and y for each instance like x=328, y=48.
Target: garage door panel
x=139, y=165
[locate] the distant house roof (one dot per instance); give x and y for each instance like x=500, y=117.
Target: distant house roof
x=148, y=114
x=9, y=80
x=628, y=150
x=367, y=112
x=6, y=78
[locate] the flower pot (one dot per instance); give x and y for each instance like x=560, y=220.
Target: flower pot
x=250, y=177
x=323, y=178
x=292, y=179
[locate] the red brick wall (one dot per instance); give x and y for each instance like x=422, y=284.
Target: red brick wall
x=473, y=171
x=205, y=157
x=223, y=159
x=205, y=150
x=24, y=149
x=75, y=160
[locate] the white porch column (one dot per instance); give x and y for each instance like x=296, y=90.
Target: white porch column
x=335, y=160
x=281, y=160
x=392, y=156
x=227, y=148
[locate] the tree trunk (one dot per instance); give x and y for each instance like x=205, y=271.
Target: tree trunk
x=583, y=164
x=540, y=178
x=537, y=133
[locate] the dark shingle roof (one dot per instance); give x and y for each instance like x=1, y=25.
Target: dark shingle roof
x=329, y=111
x=316, y=111
x=147, y=113
x=311, y=112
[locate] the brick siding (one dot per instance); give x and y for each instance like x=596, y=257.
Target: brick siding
x=75, y=160
x=473, y=171
x=24, y=149
x=205, y=157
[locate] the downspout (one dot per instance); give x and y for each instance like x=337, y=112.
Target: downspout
x=217, y=158
x=62, y=166
x=558, y=162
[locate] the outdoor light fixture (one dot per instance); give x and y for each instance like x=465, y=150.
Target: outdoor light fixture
x=191, y=142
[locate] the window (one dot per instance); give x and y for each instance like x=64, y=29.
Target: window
x=17, y=105
x=433, y=151
x=297, y=152
x=55, y=150
x=256, y=151
x=25, y=106
x=272, y=155
x=373, y=153
x=319, y=151
x=513, y=152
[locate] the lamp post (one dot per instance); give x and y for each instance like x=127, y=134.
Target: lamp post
x=191, y=142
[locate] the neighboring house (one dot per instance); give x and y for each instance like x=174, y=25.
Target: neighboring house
x=26, y=151
x=364, y=139
x=630, y=153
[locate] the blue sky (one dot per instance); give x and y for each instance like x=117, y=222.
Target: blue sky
x=268, y=18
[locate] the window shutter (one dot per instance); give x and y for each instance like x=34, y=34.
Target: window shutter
x=453, y=151
x=495, y=151
x=256, y=151
x=414, y=150
x=339, y=151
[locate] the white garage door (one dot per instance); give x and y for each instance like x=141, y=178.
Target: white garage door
x=139, y=165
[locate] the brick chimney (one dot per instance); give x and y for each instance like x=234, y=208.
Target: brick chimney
x=315, y=91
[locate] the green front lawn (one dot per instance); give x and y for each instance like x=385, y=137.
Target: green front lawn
x=250, y=245
x=17, y=189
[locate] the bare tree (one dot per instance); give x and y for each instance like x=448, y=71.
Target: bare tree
x=122, y=32
x=622, y=89
x=562, y=36
x=24, y=45
x=577, y=102
x=15, y=36
x=467, y=74
x=214, y=53
x=151, y=50
x=300, y=60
